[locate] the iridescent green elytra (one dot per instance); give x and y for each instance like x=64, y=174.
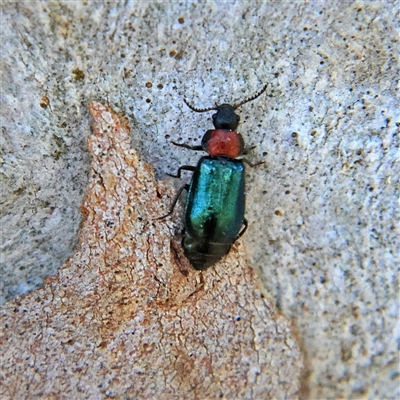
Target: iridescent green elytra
x=214, y=211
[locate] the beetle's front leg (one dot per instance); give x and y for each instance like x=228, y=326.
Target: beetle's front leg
x=247, y=150
x=187, y=146
x=250, y=164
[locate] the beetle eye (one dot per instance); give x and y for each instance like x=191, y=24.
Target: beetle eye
x=214, y=116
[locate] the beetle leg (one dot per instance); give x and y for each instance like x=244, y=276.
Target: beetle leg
x=241, y=233
x=250, y=164
x=183, y=237
x=248, y=149
x=171, y=210
x=187, y=146
x=183, y=167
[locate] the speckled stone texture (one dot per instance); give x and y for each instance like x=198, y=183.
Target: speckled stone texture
x=323, y=232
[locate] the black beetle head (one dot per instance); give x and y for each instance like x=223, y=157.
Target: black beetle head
x=225, y=117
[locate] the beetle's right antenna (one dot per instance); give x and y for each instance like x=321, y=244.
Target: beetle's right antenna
x=200, y=110
x=251, y=98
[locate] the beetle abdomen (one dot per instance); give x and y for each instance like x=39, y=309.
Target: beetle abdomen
x=204, y=254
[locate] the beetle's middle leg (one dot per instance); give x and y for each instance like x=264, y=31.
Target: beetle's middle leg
x=183, y=168
x=171, y=210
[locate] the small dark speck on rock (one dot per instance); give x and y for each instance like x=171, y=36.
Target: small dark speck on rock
x=78, y=74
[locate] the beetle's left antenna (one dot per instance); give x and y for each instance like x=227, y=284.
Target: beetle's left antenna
x=198, y=109
x=251, y=98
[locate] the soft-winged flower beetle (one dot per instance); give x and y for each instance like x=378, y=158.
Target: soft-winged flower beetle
x=214, y=209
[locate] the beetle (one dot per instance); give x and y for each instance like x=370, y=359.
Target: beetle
x=215, y=204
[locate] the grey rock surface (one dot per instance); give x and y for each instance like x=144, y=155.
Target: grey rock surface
x=323, y=228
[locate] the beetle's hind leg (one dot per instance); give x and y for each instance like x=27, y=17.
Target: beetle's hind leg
x=241, y=233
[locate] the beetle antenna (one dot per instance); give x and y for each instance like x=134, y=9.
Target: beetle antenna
x=251, y=98
x=198, y=109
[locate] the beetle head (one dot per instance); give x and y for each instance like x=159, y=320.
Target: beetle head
x=225, y=117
